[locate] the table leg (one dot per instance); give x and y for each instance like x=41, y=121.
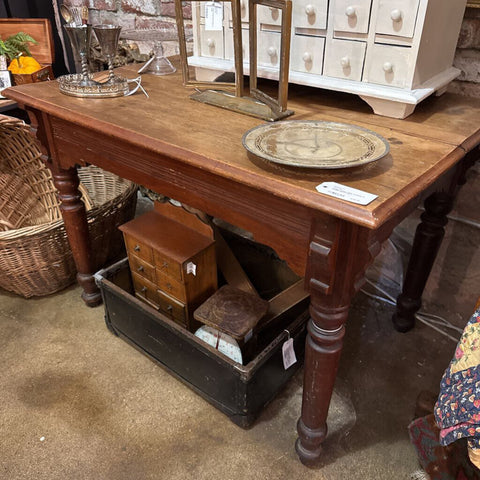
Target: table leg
x=76, y=226
x=427, y=241
x=338, y=258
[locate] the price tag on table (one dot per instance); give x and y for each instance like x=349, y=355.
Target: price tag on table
x=213, y=16
x=343, y=192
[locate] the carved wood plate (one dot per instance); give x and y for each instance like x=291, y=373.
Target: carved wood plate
x=315, y=144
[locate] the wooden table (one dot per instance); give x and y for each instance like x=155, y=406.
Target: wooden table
x=193, y=153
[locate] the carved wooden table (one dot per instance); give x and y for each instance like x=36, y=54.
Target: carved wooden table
x=193, y=153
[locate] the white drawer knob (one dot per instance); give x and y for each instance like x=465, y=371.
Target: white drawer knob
x=210, y=42
x=350, y=11
x=396, y=15
x=272, y=51
x=307, y=57
x=310, y=10
x=345, y=62
x=388, y=67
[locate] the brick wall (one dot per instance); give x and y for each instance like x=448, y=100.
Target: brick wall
x=467, y=58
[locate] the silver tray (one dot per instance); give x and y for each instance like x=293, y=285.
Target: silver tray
x=74, y=86
x=315, y=144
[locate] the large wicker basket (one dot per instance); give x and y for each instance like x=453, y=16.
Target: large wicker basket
x=36, y=260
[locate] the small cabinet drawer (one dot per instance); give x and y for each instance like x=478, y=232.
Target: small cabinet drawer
x=145, y=289
x=167, y=266
x=141, y=267
x=268, y=15
x=268, y=49
x=139, y=249
x=352, y=16
x=172, y=308
x=229, y=52
x=388, y=65
x=310, y=14
x=344, y=59
x=306, y=54
x=397, y=17
x=171, y=286
x=211, y=42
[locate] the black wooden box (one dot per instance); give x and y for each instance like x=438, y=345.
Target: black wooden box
x=239, y=391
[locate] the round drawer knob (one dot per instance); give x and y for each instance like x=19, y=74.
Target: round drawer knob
x=310, y=10
x=140, y=268
x=396, y=15
x=388, y=67
x=272, y=51
x=144, y=289
x=307, y=57
x=345, y=62
x=210, y=42
x=350, y=11
x=136, y=248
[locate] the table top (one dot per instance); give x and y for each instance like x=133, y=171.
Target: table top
x=422, y=147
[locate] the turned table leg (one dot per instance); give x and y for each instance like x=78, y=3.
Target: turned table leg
x=338, y=257
x=76, y=226
x=427, y=241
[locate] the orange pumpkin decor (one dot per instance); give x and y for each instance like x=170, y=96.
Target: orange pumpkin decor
x=24, y=65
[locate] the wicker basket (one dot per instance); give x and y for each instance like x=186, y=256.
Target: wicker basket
x=36, y=260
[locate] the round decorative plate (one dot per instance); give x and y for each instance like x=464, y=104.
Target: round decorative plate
x=221, y=341
x=315, y=144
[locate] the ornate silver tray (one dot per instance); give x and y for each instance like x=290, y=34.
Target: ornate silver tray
x=76, y=86
x=315, y=144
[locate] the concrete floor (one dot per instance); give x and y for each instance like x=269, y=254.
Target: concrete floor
x=80, y=403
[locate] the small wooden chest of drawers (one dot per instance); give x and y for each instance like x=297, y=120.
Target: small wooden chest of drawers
x=173, y=266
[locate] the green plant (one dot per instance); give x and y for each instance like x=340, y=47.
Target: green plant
x=16, y=45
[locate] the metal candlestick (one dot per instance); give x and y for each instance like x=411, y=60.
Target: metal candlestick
x=107, y=36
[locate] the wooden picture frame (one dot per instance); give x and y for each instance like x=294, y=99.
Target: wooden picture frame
x=278, y=106
x=473, y=3
x=188, y=81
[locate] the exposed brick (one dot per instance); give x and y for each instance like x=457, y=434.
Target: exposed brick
x=468, y=61
x=167, y=9
x=126, y=21
x=147, y=7
x=103, y=4
x=157, y=24
x=470, y=34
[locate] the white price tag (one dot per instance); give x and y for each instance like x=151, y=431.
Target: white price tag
x=191, y=268
x=289, y=357
x=213, y=16
x=346, y=193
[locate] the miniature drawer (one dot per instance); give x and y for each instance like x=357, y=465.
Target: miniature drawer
x=139, y=249
x=310, y=14
x=167, y=266
x=269, y=48
x=229, y=53
x=211, y=43
x=141, y=267
x=269, y=15
x=344, y=59
x=397, y=17
x=352, y=16
x=308, y=56
x=388, y=65
x=172, y=308
x=144, y=289
x=170, y=286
